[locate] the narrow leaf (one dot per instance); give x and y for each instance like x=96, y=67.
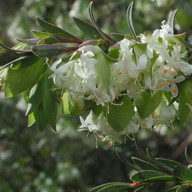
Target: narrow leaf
x=104, y=35
x=112, y=187
x=182, y=188
x=171, y=18
x=174, y=189
x=144, y=164
x=183, y=173
x=46, y=50
x=41, y=34
x=167, y=163
x=151, y=175
x=143, y=187
x=130, y=21
x=53, y=29
x=118, y=36
x=7, y=57
x=14, y=50
x=187, y=156
x=13, y=62
x=48, y=40
x=31, y=41
x=87, y=28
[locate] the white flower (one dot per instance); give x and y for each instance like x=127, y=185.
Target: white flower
x=159, y=67
x=61, y=72
x=185, y=67
x=165, y=114
x=173, y=86
x=79, y=76
x=100, y=127
x=91, y=123
x=142, y=62
x=85, y=66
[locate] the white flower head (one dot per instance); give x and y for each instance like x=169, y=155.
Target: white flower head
x=91, y=123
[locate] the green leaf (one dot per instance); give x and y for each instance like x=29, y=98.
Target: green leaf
x=174, y=189
x=112, y=187
x=70, y=107
x=118, y=36
x=67, y=40
x=50, y=107
x=120, y=115
x=36, y=96
x=189, y=160
x=104, y=35
x=31, y=41
x=15, y=49
x=181, y=37
x=183, y=173
x=140, y=49
x=130, y=21
x=102, y=68
x=114, y=52
x=146, y=104
x=23, y=76
x=47, y=50
x=144, y=164
x=13, y=62
x=53, y=29
x=182, y=188
x=31, y=120
x=87, y=28
x=185, y=100
x=7, y=56
x=48, y=40
x=167, y=164
x=97, y=109
x=40, y=118
x=151, y=175
x=142, y=188
x=96, y=189
x=41, y=34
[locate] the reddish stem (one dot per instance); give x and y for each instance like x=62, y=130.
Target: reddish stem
x=68, y=49
x=69, y=40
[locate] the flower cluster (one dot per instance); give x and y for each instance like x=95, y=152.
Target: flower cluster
x=164, y=115
x=158, y=62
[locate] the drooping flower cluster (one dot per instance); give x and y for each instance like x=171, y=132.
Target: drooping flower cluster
x=157, y=63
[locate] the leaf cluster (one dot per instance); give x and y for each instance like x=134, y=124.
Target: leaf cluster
x=28, y=73
x=151, y=172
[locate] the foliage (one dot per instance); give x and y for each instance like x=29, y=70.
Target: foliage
x=151, y=172
x=97, y=74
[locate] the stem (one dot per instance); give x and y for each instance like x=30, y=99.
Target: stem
x=68, y=40
x=68, y=49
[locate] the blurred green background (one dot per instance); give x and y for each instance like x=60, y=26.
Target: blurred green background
x=66, y=160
